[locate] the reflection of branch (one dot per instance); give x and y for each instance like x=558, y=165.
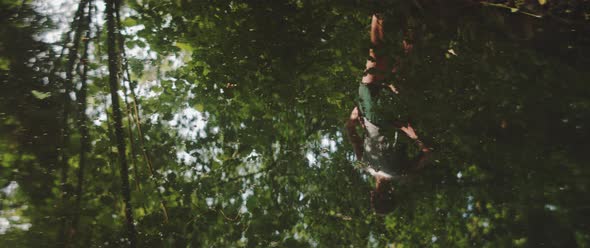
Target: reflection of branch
x=513, y=9
x=237, y=218
x=230, y=219
x=543, y=14
x=232, y=179
x=136, y=119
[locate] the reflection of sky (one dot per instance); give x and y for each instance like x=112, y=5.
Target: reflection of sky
x=189, y=123
x=9, y=190
x=60, y=12
x=326, y=146
x=11, y=218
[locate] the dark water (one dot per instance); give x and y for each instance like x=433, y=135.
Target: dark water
x=233, y=125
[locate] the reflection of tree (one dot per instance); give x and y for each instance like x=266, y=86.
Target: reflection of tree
x=28, y=126
x=82, y=121
x=114, y=61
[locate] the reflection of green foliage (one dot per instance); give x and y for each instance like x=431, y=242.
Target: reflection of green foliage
x=504, y=105
x=40, y=95
x=4, y=64
x=129, y=22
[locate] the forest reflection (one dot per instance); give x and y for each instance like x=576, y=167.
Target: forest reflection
x=222, y=124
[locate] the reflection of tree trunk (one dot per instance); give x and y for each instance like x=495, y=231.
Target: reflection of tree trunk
x=132, y=158
x=106, y=106
x=72, y=57
x=135, y=117
x=112, y=162
x=82, y=125
x=130, y=118
x=113, y=63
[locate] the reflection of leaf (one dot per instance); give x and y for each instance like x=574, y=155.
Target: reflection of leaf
x=184, y=46
x=4, y=64
x=199, y=107
x=129, y=22
x=252, y=202
x=40, y=95
x=542, y=2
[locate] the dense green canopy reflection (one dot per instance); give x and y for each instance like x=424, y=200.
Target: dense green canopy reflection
x=232, y=124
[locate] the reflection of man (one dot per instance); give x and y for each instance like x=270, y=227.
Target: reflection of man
x=380, y=113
